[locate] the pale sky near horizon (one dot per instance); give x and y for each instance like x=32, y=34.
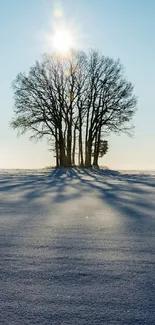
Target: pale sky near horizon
x=122, y=29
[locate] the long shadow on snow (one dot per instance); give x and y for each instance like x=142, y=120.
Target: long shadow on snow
x=135, y=198
x=71, y=283
x=120, y=191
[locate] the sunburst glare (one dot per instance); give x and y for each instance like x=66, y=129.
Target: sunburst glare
x=62, y=40
x=63, y=34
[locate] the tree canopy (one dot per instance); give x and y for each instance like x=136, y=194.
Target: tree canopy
x=74, y=102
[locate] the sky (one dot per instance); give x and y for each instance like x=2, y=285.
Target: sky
x=122, y=29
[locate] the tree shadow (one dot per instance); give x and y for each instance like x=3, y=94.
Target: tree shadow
x=130, y=195
x=81, y=271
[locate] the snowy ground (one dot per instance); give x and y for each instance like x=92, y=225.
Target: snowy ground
x=77, y=247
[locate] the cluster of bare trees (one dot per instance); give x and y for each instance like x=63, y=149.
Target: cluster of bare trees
x=74, y=101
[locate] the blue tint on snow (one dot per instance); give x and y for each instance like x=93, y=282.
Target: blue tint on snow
x=77, y=247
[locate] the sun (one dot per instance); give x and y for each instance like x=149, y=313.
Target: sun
x=62, y=40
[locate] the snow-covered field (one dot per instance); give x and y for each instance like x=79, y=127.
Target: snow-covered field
x=77, y=247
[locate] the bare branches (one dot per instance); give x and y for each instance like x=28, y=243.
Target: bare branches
x=82, y=95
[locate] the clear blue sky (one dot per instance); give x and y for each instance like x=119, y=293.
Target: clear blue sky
x=118, y=28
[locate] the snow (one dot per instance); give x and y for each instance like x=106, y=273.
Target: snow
x=77, y=247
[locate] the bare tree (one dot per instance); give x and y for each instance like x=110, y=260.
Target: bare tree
x=110, y=103
x=80, y=97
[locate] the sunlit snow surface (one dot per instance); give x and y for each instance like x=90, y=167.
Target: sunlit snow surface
x=77, y=247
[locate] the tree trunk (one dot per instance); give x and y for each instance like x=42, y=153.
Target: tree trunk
x=95, y=161
x=86, y=137
x=89, y=153
x=56, y=148
x=97, y=150
x=79, y=158
x=62, y=150
x=80, y=141
x=69, y=144
x=74, y=147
